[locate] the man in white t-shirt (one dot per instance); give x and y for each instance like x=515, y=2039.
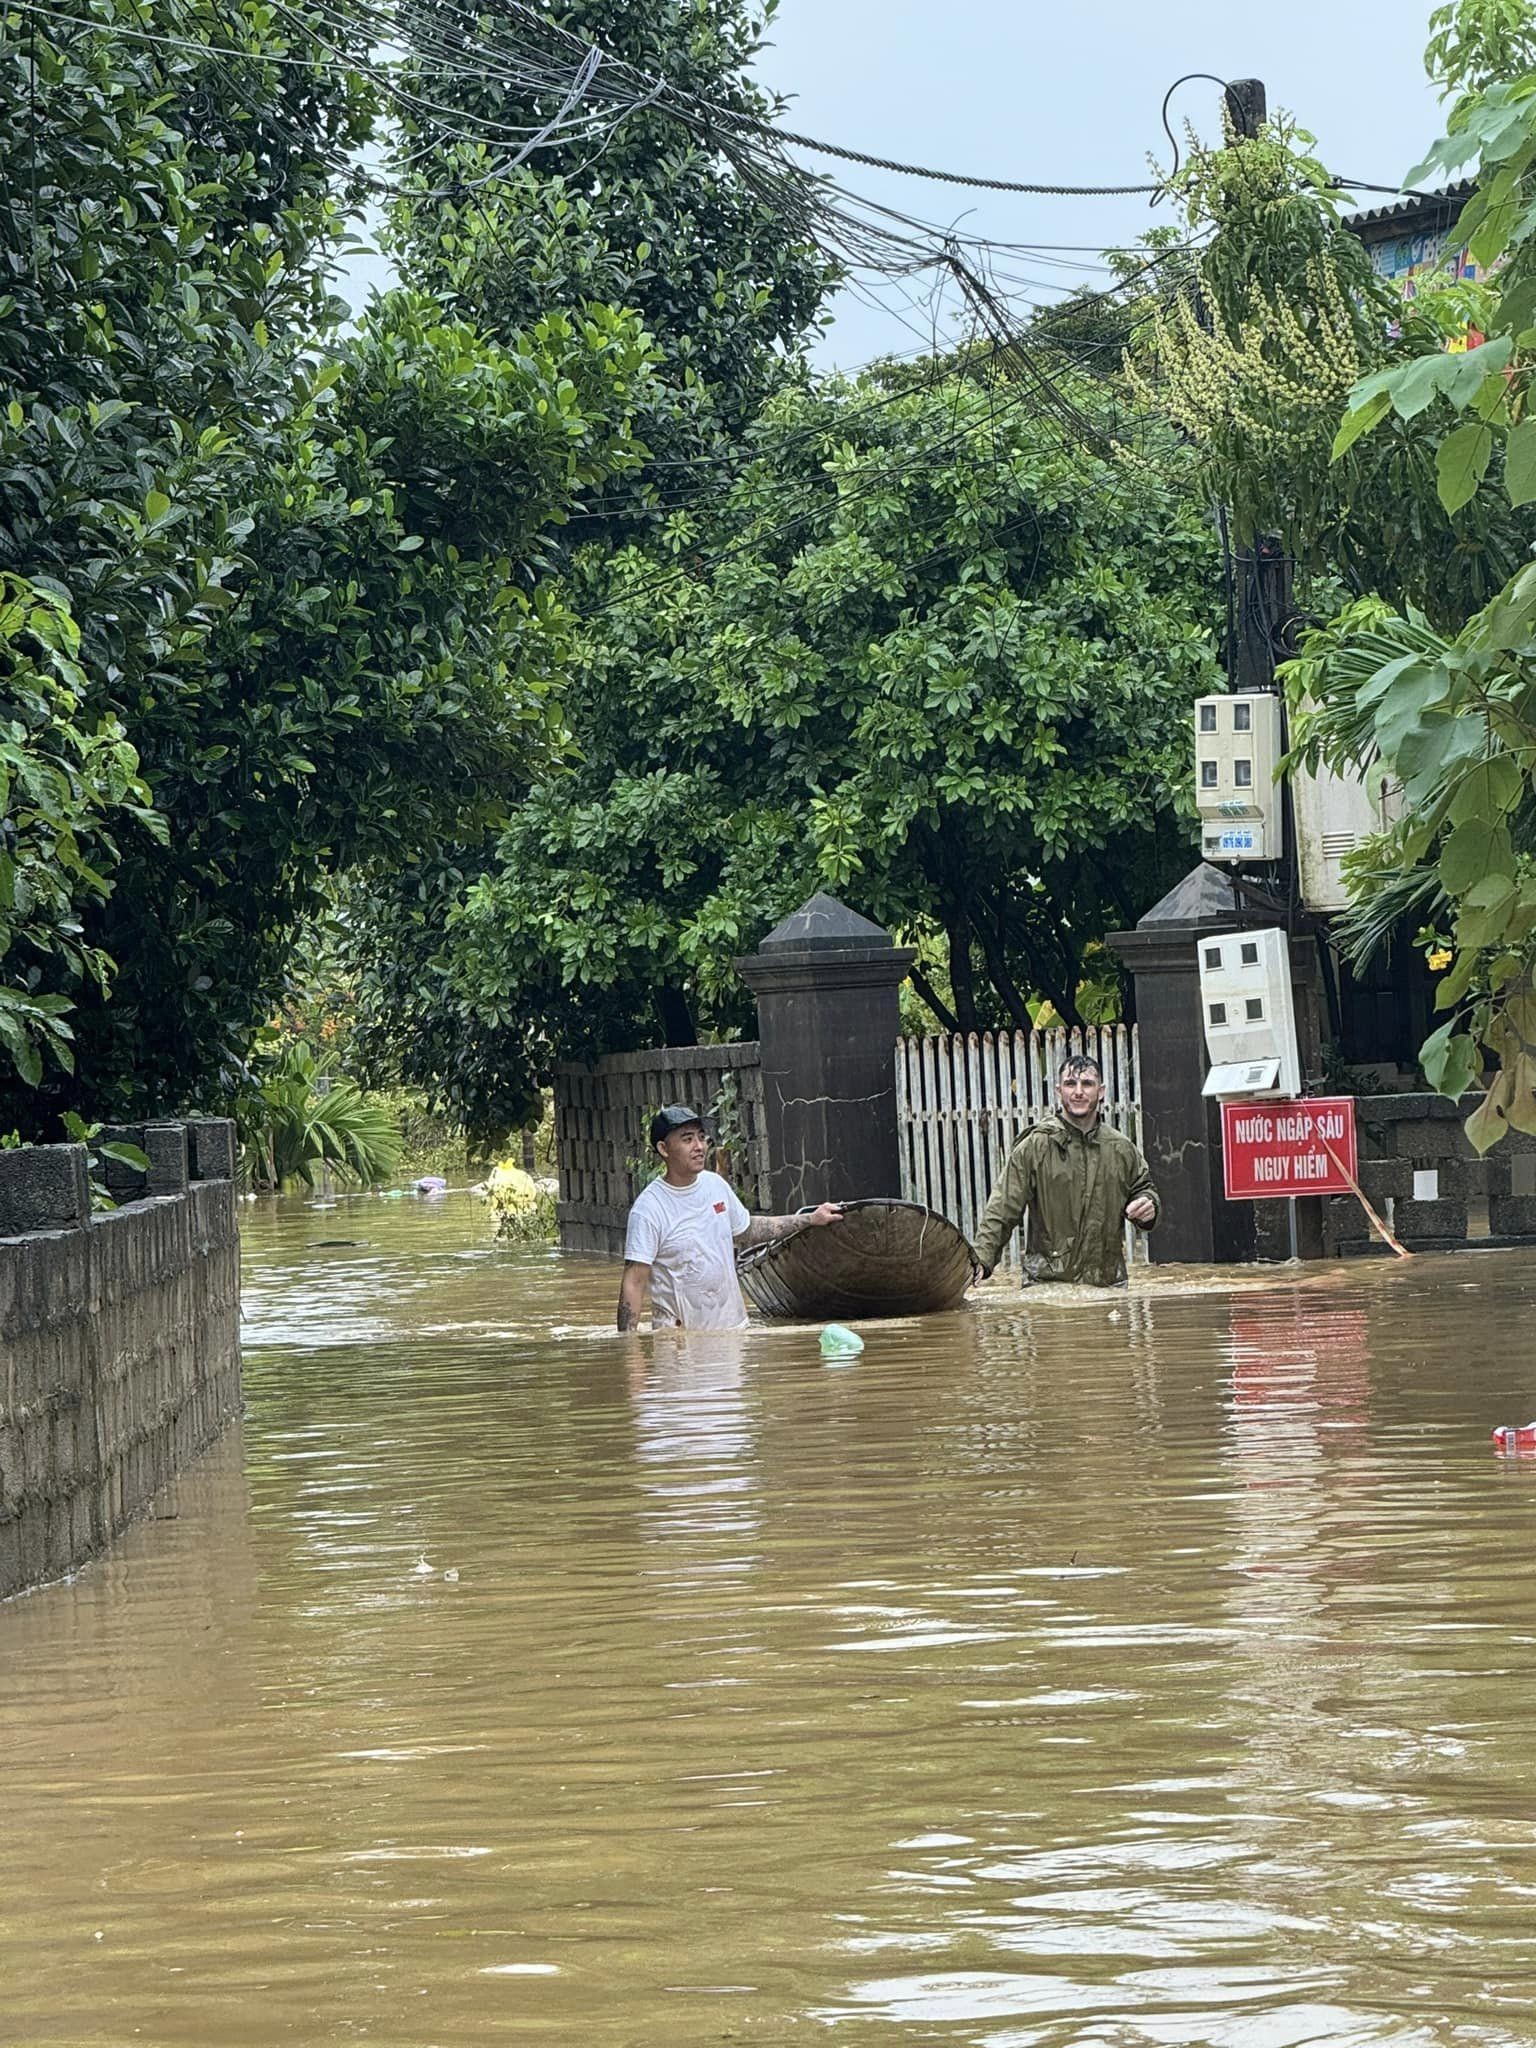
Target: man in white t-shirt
x=685, y=1230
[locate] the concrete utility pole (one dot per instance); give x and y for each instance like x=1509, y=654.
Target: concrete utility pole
x=1262, y=601
x=1181, y=1133
x=1262, y=607
x=1248, y=104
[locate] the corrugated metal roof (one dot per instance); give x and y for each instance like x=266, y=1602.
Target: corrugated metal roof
x=1446, y=202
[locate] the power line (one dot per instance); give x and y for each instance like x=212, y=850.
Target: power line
x=851, y=230
x=778, y=135
x=381, y=77
x=479, y=65
x=857, y=233
x=886, y=163
x=1061, y=420
x=720, y=473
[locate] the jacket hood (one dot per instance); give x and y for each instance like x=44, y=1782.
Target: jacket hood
x=1056, y=1126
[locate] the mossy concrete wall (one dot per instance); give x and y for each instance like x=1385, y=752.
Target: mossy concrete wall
x=119, y=1342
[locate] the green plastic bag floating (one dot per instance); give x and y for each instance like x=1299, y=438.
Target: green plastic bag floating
x=836, y=1342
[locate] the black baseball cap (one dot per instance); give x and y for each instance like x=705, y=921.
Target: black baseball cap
x=675, y=1117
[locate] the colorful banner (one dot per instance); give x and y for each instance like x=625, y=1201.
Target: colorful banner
x=1403, y=259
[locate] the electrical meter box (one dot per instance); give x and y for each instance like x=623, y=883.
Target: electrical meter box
x=1332, y=816
x=1238, y=743
x=1248, y=1015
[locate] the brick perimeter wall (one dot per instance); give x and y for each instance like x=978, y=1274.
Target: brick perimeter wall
x=119, y=1363
x=601, y=1113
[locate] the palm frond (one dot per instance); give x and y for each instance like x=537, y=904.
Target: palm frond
x=1330, y=727
x=295, y=1125
x=1381, y=895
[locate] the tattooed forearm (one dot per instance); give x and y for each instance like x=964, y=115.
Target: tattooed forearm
x=764, y=1229
x=632, y=1294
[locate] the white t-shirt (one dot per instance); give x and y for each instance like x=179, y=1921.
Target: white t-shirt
x=685, y=1236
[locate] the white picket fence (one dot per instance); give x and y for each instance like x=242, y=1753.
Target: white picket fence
x=965, y=1099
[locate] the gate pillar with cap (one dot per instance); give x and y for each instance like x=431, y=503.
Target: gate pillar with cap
x=1181, y=1128
x=827, y=983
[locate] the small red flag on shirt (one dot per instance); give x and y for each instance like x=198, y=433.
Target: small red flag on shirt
x=719, y=1208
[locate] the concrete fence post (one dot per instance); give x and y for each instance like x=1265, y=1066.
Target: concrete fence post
x=827, y=983
x=214, y=1151
x=124, y=1183
x=44, y=1187
x=166, y=1147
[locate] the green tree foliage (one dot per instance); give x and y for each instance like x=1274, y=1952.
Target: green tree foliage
x=383, y=677
x=648, y=217
x=302, y=565
x=67, y=783
x=722, y=274
x=478, y=1061
x=928, y=656
x=1255, y=355
x=1473, y=43
x=1453, y=716
x=1420, y=501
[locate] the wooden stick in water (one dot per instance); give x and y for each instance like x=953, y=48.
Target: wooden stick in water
x=1360, y=1196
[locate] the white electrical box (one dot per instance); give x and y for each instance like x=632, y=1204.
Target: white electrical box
x=1238, y=743
x=1332, y=816
x=1248, y=1015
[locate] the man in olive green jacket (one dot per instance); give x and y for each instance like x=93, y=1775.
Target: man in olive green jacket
x=1079, y=1181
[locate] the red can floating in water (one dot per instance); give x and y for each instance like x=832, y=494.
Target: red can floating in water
x=1516, y=1437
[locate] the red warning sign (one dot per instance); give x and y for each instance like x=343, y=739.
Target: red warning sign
x=1305, y=1147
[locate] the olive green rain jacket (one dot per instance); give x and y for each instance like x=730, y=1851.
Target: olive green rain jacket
x=1074, y=1185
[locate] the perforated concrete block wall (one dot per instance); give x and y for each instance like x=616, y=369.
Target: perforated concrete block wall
x=119, y=1363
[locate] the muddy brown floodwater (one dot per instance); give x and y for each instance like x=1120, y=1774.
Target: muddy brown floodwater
x=1151, y=1669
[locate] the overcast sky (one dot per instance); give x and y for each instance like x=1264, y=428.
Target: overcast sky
x=1059, y=91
